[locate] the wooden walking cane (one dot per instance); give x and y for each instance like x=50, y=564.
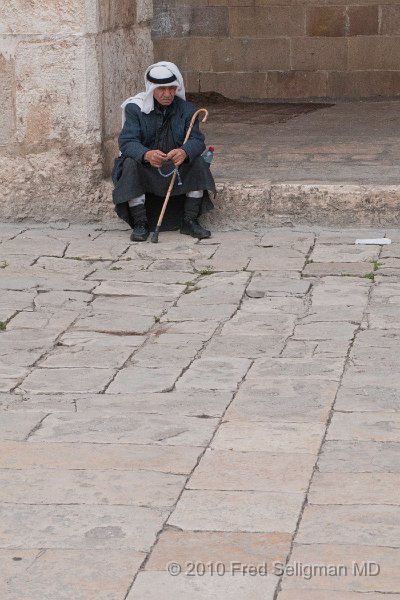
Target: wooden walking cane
x=154, y=236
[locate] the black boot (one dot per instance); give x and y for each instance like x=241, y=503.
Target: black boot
x=190, y=224
x=140, y=230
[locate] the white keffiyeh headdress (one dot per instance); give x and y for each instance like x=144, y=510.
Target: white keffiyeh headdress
x=161, y=74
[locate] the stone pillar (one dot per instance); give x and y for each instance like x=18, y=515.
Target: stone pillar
x=65, y=67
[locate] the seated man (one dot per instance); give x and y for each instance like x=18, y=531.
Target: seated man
x=154, y=127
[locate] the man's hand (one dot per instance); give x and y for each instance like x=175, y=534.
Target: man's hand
x=178, y=156
x=155, y=158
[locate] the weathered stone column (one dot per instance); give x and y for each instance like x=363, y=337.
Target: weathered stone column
x=65, y=67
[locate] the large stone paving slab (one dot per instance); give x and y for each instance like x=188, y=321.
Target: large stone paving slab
x=212, y=547
x=139, y=429
x=77, y=379
x=94, y=487
x=79, y=574
x=209, y=510
x=157, y=586
x=79, y=526
x=360, y=457
x=118, y=457
x=303, y=438
x=263, y=471
x=215, y=374
x=368, y=525
x=350, y=561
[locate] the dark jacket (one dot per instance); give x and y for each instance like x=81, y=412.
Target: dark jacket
x=139, y=131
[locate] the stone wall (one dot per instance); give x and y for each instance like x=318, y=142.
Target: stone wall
x=65, y=67
x=283, y=49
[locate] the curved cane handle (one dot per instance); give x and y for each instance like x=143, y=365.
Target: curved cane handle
x=193, y=119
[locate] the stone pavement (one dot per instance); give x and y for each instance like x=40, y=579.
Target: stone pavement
x=227, y=408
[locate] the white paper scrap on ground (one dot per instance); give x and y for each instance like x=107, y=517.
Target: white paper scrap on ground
x=375, y=242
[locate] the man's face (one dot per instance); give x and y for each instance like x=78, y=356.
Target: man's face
x=165, y=95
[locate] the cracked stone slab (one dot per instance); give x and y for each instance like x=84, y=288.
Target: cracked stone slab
x=122, y=324
x=134, y=271
x=93, y=487
x=70, y=300
x=138, y=379
x=48, y=403
x=78, y=349
x=213, y=510
x=248, y=323
x=368, y=399
x=226, y=547
x=80, y=526
x=273, y=259
x=348, y=488
x=124, y=288
x=215, y=289
x=379, y=427
x=386, y=377
x=376, y=525
x=261, y=471
x=119, y=457
x=136, y=428
x=161, y=336
x=100, y=574
x=195, y=403
x=325, y=331
x=34, y=244
x=282, y=237
x=244, y=346
x=330, y=314
x=360, y=457
x=17, y=426
x=168, y=264
x=157, y=585
x=203, y=329
x=153, y=354
x=278, y=305
x=315, y=349
x=131, y=306
x=280, y=400
x=383, y=317
x=263, y=285
x=387, y=581
x=54, y=283
x=301, y=438
x=214, y=373
x=277, y=368
x=107, y=246
x=344, y=253
x=78, y=269
x=216, y=312
x=340, y=291
x=84, y=380
x=55, y=320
